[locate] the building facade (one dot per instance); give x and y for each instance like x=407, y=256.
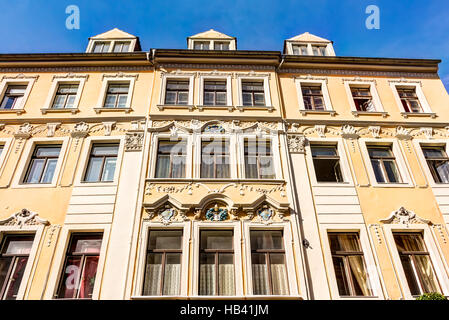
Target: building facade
x=211, y=172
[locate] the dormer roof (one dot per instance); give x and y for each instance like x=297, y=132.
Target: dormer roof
x=308, y=44
x=212, y=39
x=211, y=34
x=308, y=37
x=115, y=35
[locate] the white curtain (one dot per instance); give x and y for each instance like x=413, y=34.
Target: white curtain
x=153, y=274
x=279, y=279
x=226, y=279
x=207, y=279
x=260, y=281
x=172, y=279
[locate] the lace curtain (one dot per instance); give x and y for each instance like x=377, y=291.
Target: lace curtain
x=226, y=283
x=153, y=275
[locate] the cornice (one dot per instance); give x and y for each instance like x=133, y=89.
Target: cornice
x=365, y=73
x=75, y=69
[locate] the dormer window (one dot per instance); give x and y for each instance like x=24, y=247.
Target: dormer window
x=101, y=47
x=319, y=50
x=307, y=44
x=201, y=45
x=122, y=46
x=299, y=50
x=221, y=45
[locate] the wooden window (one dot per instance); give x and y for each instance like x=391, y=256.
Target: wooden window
x=326, y=163
x=163, y=263
x=117, y=95
x=65, y=96
x=13, y=96
x=362, y=99
x=416, y=262
x=122, y=46
x=319, y=50
x=253, y=93
x=101, y=47
x=349, y=264
x=300, y=50
x=438, y=163
x=409, y=100
x=313, y=97
x=258, y=159
x=171, y=159
x=215, y=159
x=42, y=164
x=221, y=45
x=80, y=267
x=216, y=276
x=177, y=92
x=201, y=45
x=102, y=162
x=214, y=93
x=14, y=253
x=384, y=164
x=269, y=270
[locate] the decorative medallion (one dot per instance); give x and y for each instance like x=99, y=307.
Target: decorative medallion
x=167, y=215
x=216, y=214
x=404, y=216
x=22, y=218
x=265, y=213
x=214, y=128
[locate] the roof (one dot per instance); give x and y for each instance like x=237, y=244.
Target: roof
x=308, y=37
x=113, y=34
x=211, y=34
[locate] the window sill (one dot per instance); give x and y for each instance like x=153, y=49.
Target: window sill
x=392, y=185
x=17, y=111
x=243, y=108
x=419, y=114
x=305, y=112
x=33, y=185
x=201, y=107
x=333, y=184
x=99, y=110
x=62, y=110
x=369, y=113
x=161, y=107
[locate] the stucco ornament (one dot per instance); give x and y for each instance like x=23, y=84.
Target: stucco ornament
x=296, y=143
x=22, y=218
x=265, y=213
x=166, y=215
x=214, y=128
x=404, y=216
x=24, y=131
x=216, y=214
x=134, y=141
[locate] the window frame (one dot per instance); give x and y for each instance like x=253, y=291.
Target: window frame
x=363, y=83
x=5, y=143
x=177, y=77
x=225, y=77
x=417, y=85
x=33, y=157
x=57, y=81
x=112, y=41
x=115, y=79
x=300, y=82
x=251, y=78
x=103, y=157
x=401, y=163
x=418, y=143
x=7, y=81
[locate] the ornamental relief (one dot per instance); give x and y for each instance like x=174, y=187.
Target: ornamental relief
x=22, y=218
x=214, y=126
x=405, y=217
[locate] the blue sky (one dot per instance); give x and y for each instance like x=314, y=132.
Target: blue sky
x=408, y=28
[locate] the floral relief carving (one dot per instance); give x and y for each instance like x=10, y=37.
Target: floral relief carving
x=404, y=216
x=134, y=141
x=296, y=143
x=23, y=218
x=24, y=132
x=321, y=130
x=349, y=132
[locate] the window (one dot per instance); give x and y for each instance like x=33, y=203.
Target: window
x=1, y=149
x=80, y=267
x=216, y=263
x=416, y=263
x=215, y=93
x=121, y=46
x=215, y=159
x=349, y=265
x=313, y=97
x=201, y=45
x=117, y=95
x=163, y=264
x=65, y=96
x=438, y=163
x=13, y=96
x=258, y=159
x=253, y=93
x=326, y=163
x=409, y=100
x=14, y=254
x=362, y=99
x=171, y=159
x=319, y=50
x=268, y=263
x=177, y=92
x=43, y=164
x=101, y=47
x=300, y=50
x=221, y=45
x=384, y=164
x=102, y=161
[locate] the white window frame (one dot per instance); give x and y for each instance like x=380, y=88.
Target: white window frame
x=147, y=227
x=238, y=272
x=368, y=256
x=165, y=77
x=92, y=42
x=274, y=149
x=432, y=248
x=289, y=260
x=111, y=79
x=418, y=143
x=417, y=85
x=329, y=48
x=344, y=162
x=266, y=88
x=372, y=84
x=30, y=269
x=61, y=252
x=197, y=141
x=26, y=158
x=231, y=42
x=6, y=143
x=85, y=155
x=28, y=81
x=401, y=163
x=57, y=81
x=203, y=78
x=324, y=90
x=167, y=137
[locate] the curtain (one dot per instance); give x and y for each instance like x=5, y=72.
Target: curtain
x=172, y=279
x=207, y=279
x=424, y=268
x=88, y=277
x=279, y=279
x=163, y=166
x=226, y=279
x=153, y=276
x=356, y=263
x=260, y=280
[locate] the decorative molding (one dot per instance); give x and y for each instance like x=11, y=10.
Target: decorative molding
x=358, y=79
x=23, y=218
x=108, y=127
x=75, y=69
x=51, y=233
x=341, y=72
x=80, y=130
x=24, y=132
x=349, y=132
x=51, y=128
x=375, y=131
x=134, y=141
x=296, y=143
x=252, y=73
x=321, y=130
x=427, y=131
x=440, y=229
x=71, y=75
x=310, y=77
x=377, y=230
x=215, y=73
x=177, y=72
x=404, y=216
x=19, y=76
x=403, y=80
x=403, y=133
x=216, y=214
x=216, y=66
x=120, y=75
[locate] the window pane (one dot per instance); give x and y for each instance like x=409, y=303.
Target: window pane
x=172, y=275
x=70, y=101
x=378, y=171
x=342, y=282
x=359, y=276
x=348, y=242
x=216, y=239
x=110, y=101
x=434, y=152
x=226, y=284
x=105, y=150
x=412, y=281
x=16, y=278
x=163, y=166
x=153, y=274
x=19, y=246
x=323, y=151
x=94, y=169
x=88, y=277
x=428, y=278
x=48, y=151
x=207, y=274
x=49, y=171
x=109, y=169
x=166, y=239
x=261, y=285
x=392, y=172
x=59, y=101
x=247, y=99
x=259, y=99
x=266, y=239
x=379, y=152
x=251, y=168
x=183, y=97
x=209, y=98
x=170, y=97
x=36, y=168
x=409, y=242
x=278, y=274
x=87, y=245
x=70, y=278
x=122, y=101
x=5, y=263
x=327, y=170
